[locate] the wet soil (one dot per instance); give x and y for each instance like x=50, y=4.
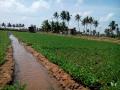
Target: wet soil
x=28, y=71
x=6, y=70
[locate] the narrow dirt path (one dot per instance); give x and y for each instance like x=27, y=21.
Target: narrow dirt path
x=28, y=71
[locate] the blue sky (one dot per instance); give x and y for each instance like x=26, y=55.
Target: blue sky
x=35, y=11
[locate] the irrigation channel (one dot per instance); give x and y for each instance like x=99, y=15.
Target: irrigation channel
x=28, y=71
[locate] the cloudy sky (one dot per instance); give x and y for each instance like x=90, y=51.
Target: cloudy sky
x=35, y=11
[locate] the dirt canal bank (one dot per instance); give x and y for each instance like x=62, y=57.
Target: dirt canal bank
x=28, y=71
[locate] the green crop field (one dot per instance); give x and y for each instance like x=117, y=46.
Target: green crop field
x=94, y=63
x=4, y=41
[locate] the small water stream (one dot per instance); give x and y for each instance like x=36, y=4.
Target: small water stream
x=28, y=71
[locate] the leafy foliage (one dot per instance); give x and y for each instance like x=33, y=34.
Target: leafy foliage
x=113, y=27
x=16, y=86
x=53, y=26
x=32, y=28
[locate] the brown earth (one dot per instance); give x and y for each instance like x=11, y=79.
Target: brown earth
x=65, y=80
x=6, y=70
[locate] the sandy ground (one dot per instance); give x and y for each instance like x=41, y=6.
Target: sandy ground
x=6, y=70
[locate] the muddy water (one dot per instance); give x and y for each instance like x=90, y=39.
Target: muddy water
x=28, y=71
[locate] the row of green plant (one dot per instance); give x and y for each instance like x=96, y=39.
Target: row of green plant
x=15, y=86
x=4, y=42
x=94, y=63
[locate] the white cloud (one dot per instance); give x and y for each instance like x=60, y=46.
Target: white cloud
x=79, y=2
x=87, y=13
x=18, y=7
x=40, y=4
x=59, y=1
x=106, y=18
x=83, y=14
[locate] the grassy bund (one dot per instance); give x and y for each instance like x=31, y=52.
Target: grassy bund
x=4, y=41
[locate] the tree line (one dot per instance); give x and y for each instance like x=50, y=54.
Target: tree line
x=61, y=23
x=13, y=26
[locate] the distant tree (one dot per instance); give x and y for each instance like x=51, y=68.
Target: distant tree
x=46, y=26
x=17, y=26
x=88, y=31
x=13, y=25
x=55, y=27
x=94, y=32
x=98, y=34
x=95, y=23
x=56, y=16
x=112, y=26
x=107, y=32
x=3, y=25
x=52, y=24
x=90, y=21
x=117, y=30
x=86, y=23
x=63, y=26
x=83, y=23
x=78, y=18
x=32, y=28
x=23, y=25
x=9, y=25
x=68, y=17
x=20, y=25
x=63, y=16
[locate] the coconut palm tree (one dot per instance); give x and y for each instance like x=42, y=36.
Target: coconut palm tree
x=86, y=23
x=112, y=26
x=90, y=22
x=95, y=22
x=56, y=16
x=68, y=17
x=117, y=30
x=83, y=23
x=78, y=18
x=63, y=17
